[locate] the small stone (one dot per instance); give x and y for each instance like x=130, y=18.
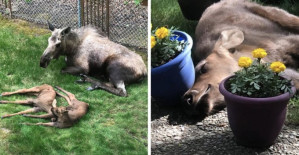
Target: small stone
x=199, y=124
x=177, y=138
x=159, y=142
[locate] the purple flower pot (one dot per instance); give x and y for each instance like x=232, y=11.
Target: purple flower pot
x=171, y=80
x=255, y=122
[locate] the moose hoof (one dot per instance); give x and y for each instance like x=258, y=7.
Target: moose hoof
x=80, y=81
x=83, y=76
x=90, y=88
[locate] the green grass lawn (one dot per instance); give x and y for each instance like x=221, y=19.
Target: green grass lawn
x=113, y=125
x=167, y=12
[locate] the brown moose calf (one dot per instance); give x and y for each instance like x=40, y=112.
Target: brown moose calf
x=44, y=102
x=69, y=115
x=62, y=117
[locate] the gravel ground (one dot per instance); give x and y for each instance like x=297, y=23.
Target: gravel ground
x=172, y=132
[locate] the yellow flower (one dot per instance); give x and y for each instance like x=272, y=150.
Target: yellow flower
x=277, y=67
x=162, y=32
x=259, y=53
x=244, y=62
x=153, y=41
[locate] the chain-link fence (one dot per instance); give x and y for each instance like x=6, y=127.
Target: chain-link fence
x=127, y=22
x=133, y=26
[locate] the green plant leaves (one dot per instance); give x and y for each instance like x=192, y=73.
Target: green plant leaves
x=166, y=49
x=258, y=81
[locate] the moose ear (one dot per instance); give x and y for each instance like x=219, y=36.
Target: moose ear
x=231, y=38
x=51, y=27
x=65, y=31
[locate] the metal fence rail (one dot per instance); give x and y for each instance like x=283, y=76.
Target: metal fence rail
x=122, y=20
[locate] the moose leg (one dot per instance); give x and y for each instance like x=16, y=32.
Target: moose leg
x=24, y=102
x=32, y=110
x=70, y=95
x=277, y=15
x=66, y=98
x=51, y=124
x=22, y=91
x=74, y=70
x=100, y=85
x=44, y=116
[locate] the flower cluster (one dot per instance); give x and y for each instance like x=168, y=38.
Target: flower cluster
x=277, y=67
x=162, y=32
x=245, y=62
x=259, y=79
x=259, y=53
x=164, y=46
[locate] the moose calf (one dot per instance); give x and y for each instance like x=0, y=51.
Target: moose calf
x=66, y=116
x=44, y=102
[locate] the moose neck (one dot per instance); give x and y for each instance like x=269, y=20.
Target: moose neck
x=71, y=43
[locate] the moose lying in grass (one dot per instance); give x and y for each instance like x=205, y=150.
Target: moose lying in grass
x=61, y=117
x=88, y=52
x=233, y=28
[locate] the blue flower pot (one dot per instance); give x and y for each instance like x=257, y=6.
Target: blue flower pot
x=171, y=80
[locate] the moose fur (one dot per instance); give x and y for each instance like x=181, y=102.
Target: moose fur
x=66, y=116
x=233, y=28
x=61, y=117
x=89, y=53
x=44, y=102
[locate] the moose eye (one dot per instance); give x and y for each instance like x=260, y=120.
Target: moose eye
x=57, y=45
x=203, y=69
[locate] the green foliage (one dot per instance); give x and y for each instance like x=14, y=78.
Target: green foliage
x=136, y=2
x=168, y=12
x=258, y=81
x=166, y=49
x=293, y=111
x=113, y=125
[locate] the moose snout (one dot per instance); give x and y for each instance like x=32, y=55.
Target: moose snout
x=44, y=61
x=195, y=102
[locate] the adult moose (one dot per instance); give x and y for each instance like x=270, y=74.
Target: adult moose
x=88, y=52
x=233, y=28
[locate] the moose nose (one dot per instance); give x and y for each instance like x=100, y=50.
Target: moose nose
x=188, y=99
x=193, y=98
x=44, y=61
x=43, y=64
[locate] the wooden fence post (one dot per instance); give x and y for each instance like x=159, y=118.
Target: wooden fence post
x=107, y=17
x=82, y=21
x=10, y=8
x=102, y=20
